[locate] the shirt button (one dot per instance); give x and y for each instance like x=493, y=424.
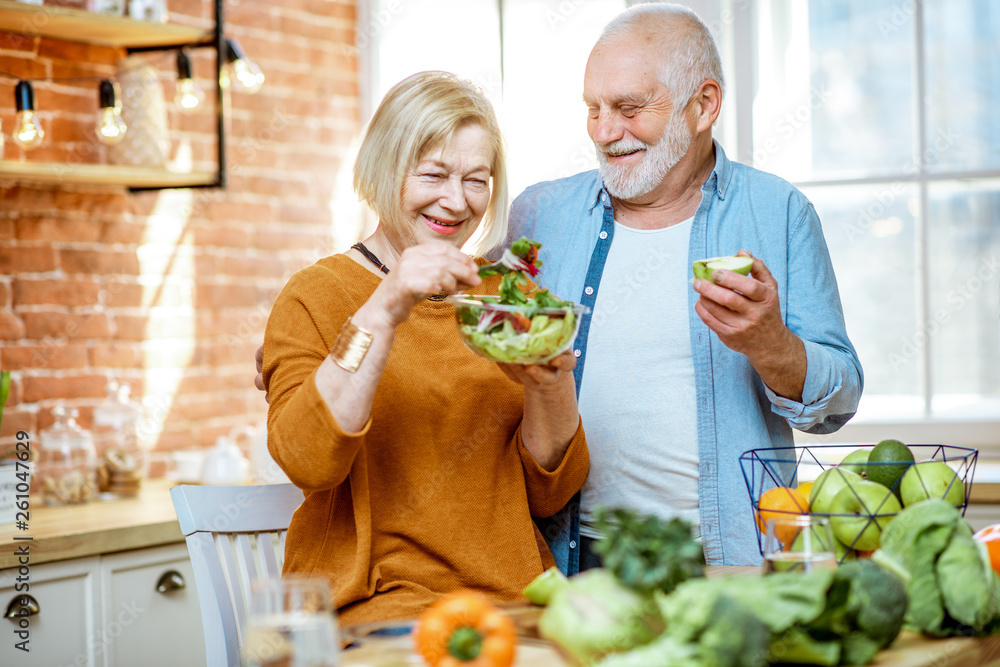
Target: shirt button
x=577, y=353
x=572, y=544
x=588, y=290
x=603, y=235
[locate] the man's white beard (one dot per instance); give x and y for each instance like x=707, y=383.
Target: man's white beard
x=628, y=182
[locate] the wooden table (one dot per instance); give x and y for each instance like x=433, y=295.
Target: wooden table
x=909, y=649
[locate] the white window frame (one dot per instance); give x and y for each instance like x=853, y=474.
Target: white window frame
x=982, y=432
x=732, y=22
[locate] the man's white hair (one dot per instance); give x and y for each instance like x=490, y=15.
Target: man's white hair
x=688, y=52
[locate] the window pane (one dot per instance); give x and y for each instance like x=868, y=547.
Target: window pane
x=835, y=89
x=870, y=232
x=546, y=45
x=415, y=36
x=964, y=327
x=963, y=85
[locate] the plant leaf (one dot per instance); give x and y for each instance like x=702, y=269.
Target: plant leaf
x=4, y=391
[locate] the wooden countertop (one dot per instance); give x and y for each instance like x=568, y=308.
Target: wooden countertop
x=74, y=531
x=909, y=650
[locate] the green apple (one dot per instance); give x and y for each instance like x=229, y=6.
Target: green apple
x=826, y=486
x=856, y=461
x=860, y=512
x=931, y=479
x=544, y=586
x=704, y=268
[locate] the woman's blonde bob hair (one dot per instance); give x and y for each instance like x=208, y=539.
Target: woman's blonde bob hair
x=418, y=114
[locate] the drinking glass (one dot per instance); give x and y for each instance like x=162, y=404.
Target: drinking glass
x=798, y=543
x=291, y=623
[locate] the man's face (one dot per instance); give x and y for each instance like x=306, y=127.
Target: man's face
x=638, y=135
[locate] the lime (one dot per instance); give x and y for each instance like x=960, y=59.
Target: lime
x=544, y=586
x=887, y=463
x=856, y=460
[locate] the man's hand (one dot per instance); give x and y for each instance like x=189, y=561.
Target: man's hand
x=259, y=380
x=745, y=313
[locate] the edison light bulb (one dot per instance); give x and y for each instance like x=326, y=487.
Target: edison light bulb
x=246, y=73
x=110, y=126
x=188, y=96
x=28, y=132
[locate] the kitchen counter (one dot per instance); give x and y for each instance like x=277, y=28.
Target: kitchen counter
x=909, y=650
x=74, y=531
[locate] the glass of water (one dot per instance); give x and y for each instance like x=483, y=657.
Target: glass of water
x=798, y=543
x=291, y=623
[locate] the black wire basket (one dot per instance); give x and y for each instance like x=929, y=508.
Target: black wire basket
x=764, y=469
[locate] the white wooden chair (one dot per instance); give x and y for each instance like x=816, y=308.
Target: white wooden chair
x=235, y=534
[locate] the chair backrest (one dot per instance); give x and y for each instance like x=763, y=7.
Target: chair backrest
x=235, y=534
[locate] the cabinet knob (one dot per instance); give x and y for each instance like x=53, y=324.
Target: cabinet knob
x=21, y=606
x=171, y=580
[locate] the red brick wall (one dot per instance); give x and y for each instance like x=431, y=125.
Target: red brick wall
x=169, y=291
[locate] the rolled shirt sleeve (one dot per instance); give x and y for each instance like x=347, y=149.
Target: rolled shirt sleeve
x=548, y=492
x=834, y=378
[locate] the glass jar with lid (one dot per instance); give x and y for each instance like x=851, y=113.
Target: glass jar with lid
x=67, y=469
x=122, y=463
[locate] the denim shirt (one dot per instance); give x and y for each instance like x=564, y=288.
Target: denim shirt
x=740, y=208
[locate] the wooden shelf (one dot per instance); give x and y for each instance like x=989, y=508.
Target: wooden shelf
x=101, y=174
x=73, y=25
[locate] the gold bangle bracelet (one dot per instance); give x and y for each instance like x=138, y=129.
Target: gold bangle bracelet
x=351, y=346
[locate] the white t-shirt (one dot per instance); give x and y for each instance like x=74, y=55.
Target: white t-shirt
x=637, y=396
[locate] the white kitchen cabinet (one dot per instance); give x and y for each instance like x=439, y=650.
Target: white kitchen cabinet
x=122, y=609
x=62, y=625
x=150, y=609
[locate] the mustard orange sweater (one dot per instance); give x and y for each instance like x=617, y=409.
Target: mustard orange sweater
x=437, y=491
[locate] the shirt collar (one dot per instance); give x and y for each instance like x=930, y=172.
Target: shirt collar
x=719, y=179
x=722, y=173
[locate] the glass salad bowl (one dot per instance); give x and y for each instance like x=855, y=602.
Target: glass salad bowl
x=515, y=334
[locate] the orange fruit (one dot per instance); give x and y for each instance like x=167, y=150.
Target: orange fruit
x=780, y=502
x=990, y=538
x=805, y=488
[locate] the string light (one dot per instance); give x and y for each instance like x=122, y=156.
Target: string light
x=188, y=95
x=248, y=76
x=28, y=132
x=110, y=126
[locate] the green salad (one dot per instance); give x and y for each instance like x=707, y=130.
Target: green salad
x=516, y=327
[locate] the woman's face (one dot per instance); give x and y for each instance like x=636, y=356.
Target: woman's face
x=446, y=194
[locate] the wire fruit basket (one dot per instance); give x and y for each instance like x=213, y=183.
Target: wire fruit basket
x=787, y=467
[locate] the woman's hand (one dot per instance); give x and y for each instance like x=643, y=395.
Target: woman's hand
x=550, y=413
x=538, y=377
x=423, y=270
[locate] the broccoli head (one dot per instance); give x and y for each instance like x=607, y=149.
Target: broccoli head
x=877, y=600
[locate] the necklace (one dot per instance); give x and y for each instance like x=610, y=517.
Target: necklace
x=370, y=256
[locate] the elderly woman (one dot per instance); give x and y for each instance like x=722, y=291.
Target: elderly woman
x=422, y=464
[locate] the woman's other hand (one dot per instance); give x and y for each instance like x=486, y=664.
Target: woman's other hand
x=422, y=270
x=538, y=376
x=259, y=380
x=550, y=413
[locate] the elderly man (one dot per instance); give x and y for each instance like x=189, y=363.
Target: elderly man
x=676, y=379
